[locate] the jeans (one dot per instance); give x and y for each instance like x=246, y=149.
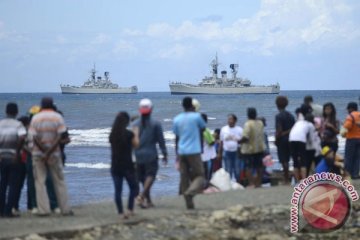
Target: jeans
x=232, y=164
x=130, y=178
x=352, y=156
x=31, y=194
x=21, y=175
x=8, y=186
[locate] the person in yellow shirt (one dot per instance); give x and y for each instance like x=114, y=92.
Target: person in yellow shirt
x=352, y=145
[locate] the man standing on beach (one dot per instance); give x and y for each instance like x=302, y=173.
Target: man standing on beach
x=188, y=127
x=284, y=121
x=46, y=129
x=150, y=134
x=12, y=135
x=253, y=147
x=352, y=145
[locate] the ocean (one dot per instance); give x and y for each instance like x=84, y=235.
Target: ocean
x=89, y=119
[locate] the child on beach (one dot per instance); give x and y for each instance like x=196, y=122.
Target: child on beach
x=209, y=152
x=122, y=142
x=328, y=163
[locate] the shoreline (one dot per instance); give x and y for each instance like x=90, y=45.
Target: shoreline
x=100, y=218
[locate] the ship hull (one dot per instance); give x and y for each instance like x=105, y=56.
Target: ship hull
x=82, y=90
x=181, y=89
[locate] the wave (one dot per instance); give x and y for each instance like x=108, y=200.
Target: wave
x=89, y=165
x=99, y=137
x=90, y=137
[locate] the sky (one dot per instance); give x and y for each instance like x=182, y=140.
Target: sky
x=301, y=44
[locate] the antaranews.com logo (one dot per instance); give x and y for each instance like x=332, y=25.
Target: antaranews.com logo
x=321, y=202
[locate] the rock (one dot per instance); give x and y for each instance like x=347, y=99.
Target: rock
x=34, y=237
x=280, y=210
x=151, y=226
x=237, y=208
x=218, y=215
x=271, y=236
x=87, y=236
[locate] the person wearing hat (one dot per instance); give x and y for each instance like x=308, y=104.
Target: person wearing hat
x=352, y=145
x=45, y=132
x=150, y=134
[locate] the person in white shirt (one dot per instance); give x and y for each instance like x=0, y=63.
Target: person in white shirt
x=298, y=140
x=228, y=150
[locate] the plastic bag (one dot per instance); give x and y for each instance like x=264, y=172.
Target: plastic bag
x=221, y=180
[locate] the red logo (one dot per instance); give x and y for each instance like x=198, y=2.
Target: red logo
x=325, y=206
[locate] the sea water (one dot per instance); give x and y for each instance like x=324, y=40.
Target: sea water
x=89, y=119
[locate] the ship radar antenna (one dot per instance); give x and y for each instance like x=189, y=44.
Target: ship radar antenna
x=234, y=69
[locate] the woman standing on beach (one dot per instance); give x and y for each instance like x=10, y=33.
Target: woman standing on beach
x=330, y=127
x=122, y=142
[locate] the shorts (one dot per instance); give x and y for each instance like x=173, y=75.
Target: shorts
x=283, y=151
x=253, y=161
x=148, y=169
x=298, y=154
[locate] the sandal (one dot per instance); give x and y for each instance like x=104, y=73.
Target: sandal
x=140, y=201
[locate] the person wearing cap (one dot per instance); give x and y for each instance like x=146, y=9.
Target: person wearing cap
x=12, y=135
x=150, y=134
x=188, y=127
x=352, y=144
x=45, y=131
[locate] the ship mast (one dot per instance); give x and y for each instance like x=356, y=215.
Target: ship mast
x=214, y=65
x=93, y=74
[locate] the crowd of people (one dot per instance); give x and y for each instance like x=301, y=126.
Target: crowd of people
x=32, y=148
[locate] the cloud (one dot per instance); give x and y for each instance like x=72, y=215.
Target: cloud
x=277, y=26
x=101, y=38
x=123, y=46
x=132, y=32
x=211, y=18
x=177, y=51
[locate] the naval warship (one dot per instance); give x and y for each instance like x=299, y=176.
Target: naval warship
x=223, y=84
x=98, y=85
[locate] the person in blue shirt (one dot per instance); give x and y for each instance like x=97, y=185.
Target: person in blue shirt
x=327, y=163
x=188, y=127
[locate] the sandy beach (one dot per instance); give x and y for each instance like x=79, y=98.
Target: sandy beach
x=261, y=213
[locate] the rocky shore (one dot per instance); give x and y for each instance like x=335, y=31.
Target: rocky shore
x=245, y=214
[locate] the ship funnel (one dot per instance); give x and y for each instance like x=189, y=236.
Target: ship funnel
x=224, y=75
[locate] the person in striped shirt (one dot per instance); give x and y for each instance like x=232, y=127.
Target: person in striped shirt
x=46, y=130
